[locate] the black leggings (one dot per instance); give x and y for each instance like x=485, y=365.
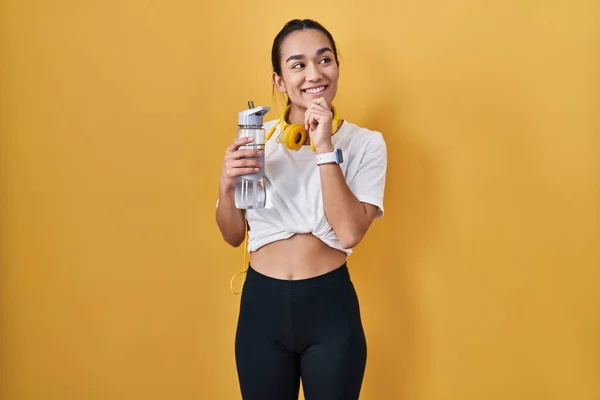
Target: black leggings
x=292, y=329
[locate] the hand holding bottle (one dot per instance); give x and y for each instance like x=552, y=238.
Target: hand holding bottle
x=238, y=162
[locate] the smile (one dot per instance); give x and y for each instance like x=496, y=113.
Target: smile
x=315, y=90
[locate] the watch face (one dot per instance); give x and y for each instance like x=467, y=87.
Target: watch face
x=339, y=156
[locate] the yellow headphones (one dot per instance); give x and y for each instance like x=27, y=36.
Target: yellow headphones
x=293, y=136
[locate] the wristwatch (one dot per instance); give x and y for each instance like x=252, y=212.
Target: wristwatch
x=335, y=156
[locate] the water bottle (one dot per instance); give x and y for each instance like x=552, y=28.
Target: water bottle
x=250, y=190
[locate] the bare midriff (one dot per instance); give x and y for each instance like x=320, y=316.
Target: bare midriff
x=301, y=256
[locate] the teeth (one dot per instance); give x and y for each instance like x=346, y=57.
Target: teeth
x=315, y=90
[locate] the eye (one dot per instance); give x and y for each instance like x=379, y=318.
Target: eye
x=298, y=65
x=325, y=60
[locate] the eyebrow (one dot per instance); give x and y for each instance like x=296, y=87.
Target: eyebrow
x=300, y=56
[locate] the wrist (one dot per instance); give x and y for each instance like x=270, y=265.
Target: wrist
x=333, y=157
x=328, y=148
x=226, y=189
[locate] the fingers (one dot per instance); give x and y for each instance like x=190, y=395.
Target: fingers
x=314, y=117
x=244, y=153
x=242, y=171
x=235, y=168
x=237, y=143
x=241, y=161
x=318, y=112
x=233, y=152
x=244, y=162
x=319, y=104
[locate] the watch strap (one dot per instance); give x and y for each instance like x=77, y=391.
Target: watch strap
x=332, y=157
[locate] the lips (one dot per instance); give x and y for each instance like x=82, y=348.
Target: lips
x=315, y=90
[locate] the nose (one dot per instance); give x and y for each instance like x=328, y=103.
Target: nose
x=313, y=73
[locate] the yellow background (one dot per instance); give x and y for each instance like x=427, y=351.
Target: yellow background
x=480, y=283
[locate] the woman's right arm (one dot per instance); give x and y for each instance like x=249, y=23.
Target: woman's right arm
x=231, y=220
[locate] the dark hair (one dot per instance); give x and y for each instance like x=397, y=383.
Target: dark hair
x=290, y=27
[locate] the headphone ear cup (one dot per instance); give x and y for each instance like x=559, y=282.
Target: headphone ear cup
x=294, y=136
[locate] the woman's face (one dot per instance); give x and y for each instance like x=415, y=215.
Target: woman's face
x=308, y=68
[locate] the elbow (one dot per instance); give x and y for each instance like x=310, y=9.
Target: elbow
x=231, y=233
x=234, y=238
x=352, y=234
x=350, y=239
x=234, y=241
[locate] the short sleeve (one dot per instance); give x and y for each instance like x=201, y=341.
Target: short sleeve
x=368, y=181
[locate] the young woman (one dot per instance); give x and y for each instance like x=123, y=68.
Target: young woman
x=299, y=313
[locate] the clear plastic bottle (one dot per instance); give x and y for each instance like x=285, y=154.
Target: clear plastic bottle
x=250, y=192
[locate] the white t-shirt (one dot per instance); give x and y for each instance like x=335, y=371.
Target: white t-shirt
x=294, y=202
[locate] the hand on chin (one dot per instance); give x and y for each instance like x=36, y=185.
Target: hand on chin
x=317, y=121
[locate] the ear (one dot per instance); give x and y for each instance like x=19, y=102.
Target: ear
x=278, y=82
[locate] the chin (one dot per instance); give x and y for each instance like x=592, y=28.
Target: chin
x=306, y=100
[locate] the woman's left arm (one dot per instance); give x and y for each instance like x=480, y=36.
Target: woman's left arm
x=349, y=217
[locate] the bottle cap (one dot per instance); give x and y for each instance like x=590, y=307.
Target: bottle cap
x=253, y=116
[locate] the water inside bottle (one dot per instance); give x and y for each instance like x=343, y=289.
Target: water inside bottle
x=250, y=194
